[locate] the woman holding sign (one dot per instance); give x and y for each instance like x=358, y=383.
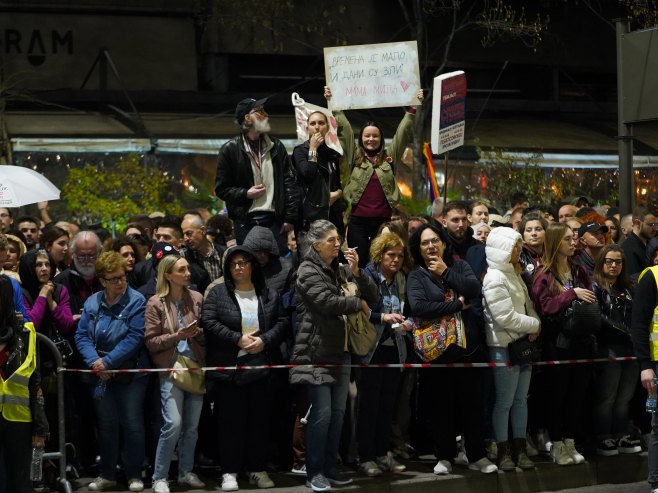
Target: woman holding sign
x=372, y=189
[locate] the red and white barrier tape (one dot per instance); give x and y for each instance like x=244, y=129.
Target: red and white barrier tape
x=377, y=365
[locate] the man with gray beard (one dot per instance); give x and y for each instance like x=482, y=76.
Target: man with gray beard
x=81, y=282
x=255, y=177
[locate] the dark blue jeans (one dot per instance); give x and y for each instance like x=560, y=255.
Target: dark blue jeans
x=325, y=422
x=614, y=388
x=122, y=407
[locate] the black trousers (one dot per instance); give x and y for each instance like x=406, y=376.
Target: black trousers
x=16, y=452
x=360, y=232
x=243, y=424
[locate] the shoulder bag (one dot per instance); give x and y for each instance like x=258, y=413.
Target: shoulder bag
x=581, y=319
x=433, y=337
x=186, y=373
x=361, y=333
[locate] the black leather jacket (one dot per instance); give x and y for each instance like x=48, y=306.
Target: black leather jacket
x=234, y=177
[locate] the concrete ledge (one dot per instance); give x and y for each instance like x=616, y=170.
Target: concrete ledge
x=419, y=478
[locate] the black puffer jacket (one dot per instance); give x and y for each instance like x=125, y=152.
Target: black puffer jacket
x=320, y=336
x=234, y=177
x=221, y=320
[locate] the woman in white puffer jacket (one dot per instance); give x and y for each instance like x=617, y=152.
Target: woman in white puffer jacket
x=509, y=316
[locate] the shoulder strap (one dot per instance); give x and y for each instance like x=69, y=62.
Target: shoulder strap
x=168, y=320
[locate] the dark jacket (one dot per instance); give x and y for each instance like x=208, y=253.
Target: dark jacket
x=145, y=276
x=278, y=270
x=530, y=261
x=316, y=181
x=635, y=254
x=644, y=304
x=551, y=303
x=320, y=336
x=221, y=320
x=234, y=178
x=616, y=309
x=426, y=296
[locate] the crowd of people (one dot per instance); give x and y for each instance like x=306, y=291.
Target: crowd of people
x=283, y=277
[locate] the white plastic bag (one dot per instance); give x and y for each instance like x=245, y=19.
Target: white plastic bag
x=303, y=110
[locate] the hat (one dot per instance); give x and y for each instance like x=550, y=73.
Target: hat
x=591, y=227
x=496, y=218
x=245, y=106
x=161, y=250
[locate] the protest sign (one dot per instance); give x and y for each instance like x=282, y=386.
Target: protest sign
x=448, y=111
x=372, y=76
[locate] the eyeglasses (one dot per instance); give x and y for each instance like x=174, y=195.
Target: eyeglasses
x=240, y=264
x=86, y=258
x=614, y=261
x=436, y=241
x=115, y=280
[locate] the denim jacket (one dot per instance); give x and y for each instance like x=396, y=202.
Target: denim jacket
x=391, y=300
x=117, y=330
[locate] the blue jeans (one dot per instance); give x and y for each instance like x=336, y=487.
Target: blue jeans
x=512, y=384
x=325, y=422
x=122, y=405
x=180, y=412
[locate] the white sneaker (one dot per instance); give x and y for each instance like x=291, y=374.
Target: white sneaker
x=484, y=465
x=370, y=469
x=230, y=482
x=560, y=454
x=160, y=486
x=570, y=445
x=461, y=459
x=261, y=479
x=135, y=485
x=191, y=480
x=543, y=442
x=443, y=467
x=100, y=483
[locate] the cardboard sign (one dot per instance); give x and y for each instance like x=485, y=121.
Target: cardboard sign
x=448, y=111
x=372, y=76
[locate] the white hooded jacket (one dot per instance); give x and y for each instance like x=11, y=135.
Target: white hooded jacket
x=508, y=310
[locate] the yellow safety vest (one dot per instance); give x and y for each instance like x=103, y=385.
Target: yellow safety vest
x=15, y=391
x=653, y=336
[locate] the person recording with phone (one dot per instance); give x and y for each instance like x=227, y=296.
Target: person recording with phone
x=172, y=326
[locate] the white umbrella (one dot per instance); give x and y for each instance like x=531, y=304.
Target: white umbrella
x=21, y=186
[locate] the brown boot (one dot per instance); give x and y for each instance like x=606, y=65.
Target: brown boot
x=520, y=456
x=504, y=460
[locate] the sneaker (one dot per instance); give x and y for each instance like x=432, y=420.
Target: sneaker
x=135, y=485
x=629, y=445
x=319, y=483
x=543, y=442
x=299, y=469
x=560, y=454
x=571, y=448
x=461, y=459
x=100, y=483
x=40, y=487
x=370, y=469
x=337, y=478
x=405, y=452
x=492, y=451
x=484, y=465
x=443, y=467
x=607, y=447
x=230, y=482
x=261, y=479
x=191, y=480
x=388, y=463
x=160, y=486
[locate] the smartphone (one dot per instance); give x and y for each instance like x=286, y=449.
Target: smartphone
x=191, y=324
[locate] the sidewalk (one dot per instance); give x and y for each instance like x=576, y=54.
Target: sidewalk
x=419, y=478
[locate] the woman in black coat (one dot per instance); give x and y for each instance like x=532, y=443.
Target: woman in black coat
x=243, y=321
x=449, y=393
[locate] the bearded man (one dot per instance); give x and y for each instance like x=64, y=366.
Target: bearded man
x=255, y=177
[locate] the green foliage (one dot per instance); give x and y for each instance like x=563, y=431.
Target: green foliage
x=111, y=195
x=201, y=196
x=508, y=174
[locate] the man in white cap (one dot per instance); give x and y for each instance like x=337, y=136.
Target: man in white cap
x=255, y=177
